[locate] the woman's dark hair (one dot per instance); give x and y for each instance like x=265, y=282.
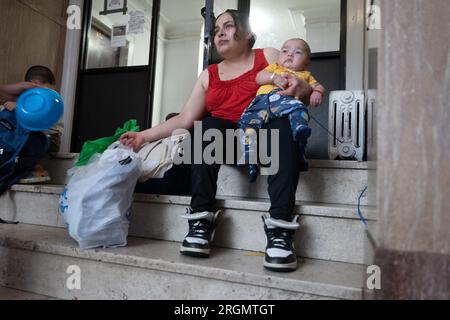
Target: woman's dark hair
x=242, y=23
x=41, y=74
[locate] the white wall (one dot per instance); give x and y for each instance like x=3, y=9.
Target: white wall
x=322, y=25
x=323, y=36
x=141, y=48
x=180, y=73
x=179, y=34
x=69, y=79
x=158, y=89
x=355, y=44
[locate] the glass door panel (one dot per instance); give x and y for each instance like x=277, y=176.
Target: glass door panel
x=180, y=55
x=316, y=21
x=119, y=40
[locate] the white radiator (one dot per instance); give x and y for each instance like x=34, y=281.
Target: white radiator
x=347, y=125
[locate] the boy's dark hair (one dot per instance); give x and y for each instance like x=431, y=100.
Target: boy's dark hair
x=242, y=22
x=41, y=74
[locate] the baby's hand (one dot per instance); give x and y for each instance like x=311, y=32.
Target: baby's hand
x=132, y=139
x=315, y=100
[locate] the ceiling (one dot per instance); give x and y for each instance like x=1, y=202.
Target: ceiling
x=175, y=11
x=272, y=21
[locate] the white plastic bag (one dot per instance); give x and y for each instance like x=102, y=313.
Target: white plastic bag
x=96, y=202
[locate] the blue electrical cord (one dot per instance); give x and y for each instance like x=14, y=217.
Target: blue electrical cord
x=361, y=217
x=326, y=129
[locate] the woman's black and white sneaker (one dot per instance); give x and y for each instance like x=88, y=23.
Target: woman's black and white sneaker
x=280, y=252
x=201, y=233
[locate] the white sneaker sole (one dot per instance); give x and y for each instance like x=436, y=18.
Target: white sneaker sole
x=194, y=251
x=277, y=266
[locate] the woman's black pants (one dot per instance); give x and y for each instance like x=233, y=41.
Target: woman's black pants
x=281, y=186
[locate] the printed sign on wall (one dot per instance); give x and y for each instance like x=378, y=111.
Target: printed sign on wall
x=114, y=6
x=119, y=36
x=136, y=24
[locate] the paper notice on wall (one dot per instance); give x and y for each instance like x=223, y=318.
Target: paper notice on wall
x=114, y=6
x=119, y=36
x=137, y=22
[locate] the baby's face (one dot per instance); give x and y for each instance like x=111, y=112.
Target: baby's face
x=293, y=55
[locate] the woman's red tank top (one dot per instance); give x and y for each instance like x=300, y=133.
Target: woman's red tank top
x=228, y=99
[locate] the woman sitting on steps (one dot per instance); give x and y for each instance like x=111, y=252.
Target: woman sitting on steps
x=224, y=90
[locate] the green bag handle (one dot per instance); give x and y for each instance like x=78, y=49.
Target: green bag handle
x=100, y=145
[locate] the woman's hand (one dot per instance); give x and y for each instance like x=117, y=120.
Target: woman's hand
x=296, y=88
x=193, y=110
x=132, y=139
x=281, y=81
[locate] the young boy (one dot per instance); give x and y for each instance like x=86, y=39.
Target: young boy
x=292, y=62
x=43, y=77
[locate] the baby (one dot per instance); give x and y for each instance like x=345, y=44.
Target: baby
x=292, y=62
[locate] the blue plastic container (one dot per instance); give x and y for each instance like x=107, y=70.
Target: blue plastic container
x=39, y=109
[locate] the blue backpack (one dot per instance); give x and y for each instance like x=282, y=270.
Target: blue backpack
x=12, y=139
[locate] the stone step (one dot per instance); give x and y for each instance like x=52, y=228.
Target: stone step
x=327, y=181
x=327, y=232
x=37, y=259
x=13, y=294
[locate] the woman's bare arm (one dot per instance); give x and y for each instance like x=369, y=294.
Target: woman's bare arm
x=271, y=54
x=193, y=110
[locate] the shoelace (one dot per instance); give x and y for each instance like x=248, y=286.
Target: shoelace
x=279, y=238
